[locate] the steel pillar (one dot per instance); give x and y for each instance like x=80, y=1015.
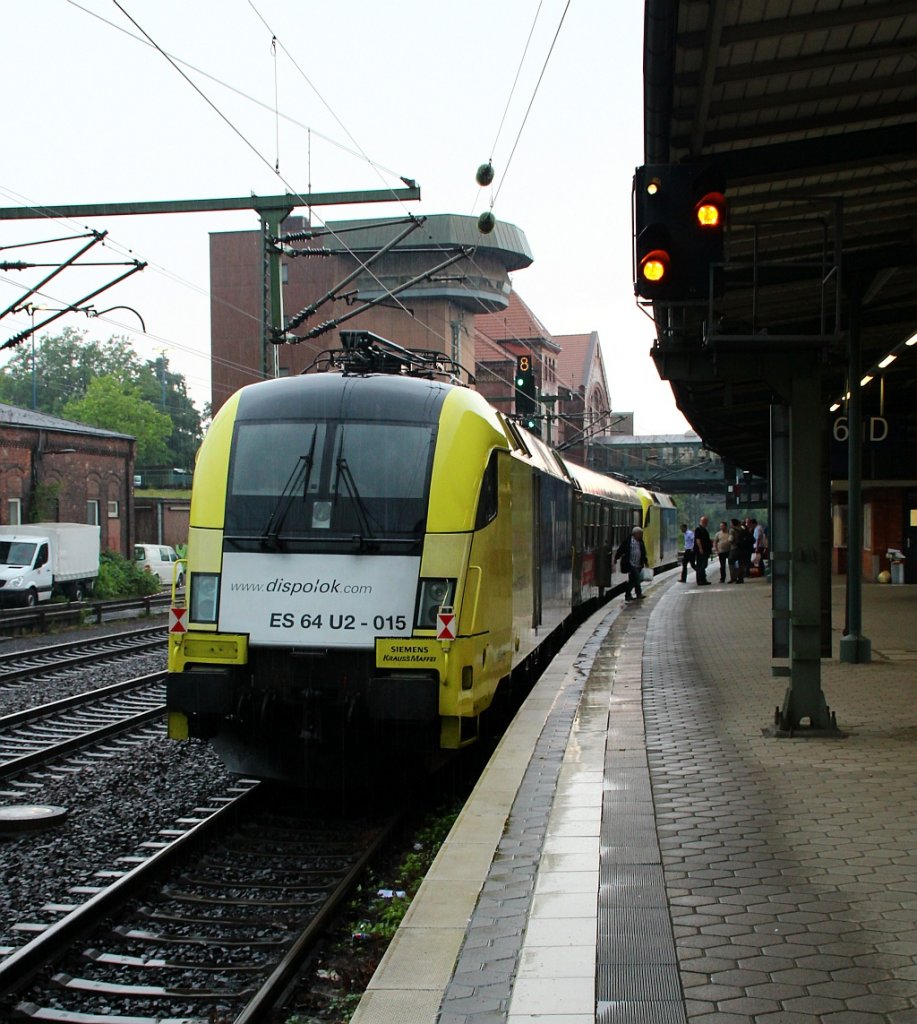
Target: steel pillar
x=272, y=292
x=804, y=705
x=779, y=535
x=855, y=647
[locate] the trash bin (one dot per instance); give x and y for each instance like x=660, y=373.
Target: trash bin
x=896, y=561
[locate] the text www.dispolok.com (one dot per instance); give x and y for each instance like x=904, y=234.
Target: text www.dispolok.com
x=282, y=586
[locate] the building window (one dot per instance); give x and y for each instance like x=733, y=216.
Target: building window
x=14, y=511
x=92, y=512
x=839, y=520
x=114, y=509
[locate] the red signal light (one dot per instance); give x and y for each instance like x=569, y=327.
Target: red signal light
x=680, y=217
x=708, y=213
x=654, y=267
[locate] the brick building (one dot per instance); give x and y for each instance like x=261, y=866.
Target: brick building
x=53, y=470
x=574, y=407
x=436, y=312
x=468, y=311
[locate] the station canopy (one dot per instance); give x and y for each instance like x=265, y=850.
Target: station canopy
x=809, y=110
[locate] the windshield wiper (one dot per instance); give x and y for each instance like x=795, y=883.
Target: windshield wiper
x=300, y=474
x=366, y=531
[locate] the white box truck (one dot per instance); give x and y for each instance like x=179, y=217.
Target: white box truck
x=42, y=559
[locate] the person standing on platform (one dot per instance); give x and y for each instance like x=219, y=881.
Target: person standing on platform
x=746, y=547
x=688, y=553
x=759, y=546
x=632, y=555
x=703, y=548
x=721, y=544
x=736, y=536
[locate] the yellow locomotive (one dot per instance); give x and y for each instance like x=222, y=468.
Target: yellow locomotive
x=373, y=553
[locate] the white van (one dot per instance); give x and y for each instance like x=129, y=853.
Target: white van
x=44, y=558
x=158, y=559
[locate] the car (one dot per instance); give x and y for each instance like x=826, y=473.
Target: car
x=158, y=559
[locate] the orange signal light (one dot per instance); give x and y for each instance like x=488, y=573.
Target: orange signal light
x=709, y=211
x=654, y=266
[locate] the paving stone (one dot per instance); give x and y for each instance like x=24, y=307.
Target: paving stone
x=788, y=864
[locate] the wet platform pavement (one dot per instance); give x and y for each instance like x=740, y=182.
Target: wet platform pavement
x=641, y=851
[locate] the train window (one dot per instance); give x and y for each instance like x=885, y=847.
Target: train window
x=487, y=502
x=266, y=455
x=329, y=479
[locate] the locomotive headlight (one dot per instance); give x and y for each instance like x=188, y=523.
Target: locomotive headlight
x=432, y=594
x=205, y=596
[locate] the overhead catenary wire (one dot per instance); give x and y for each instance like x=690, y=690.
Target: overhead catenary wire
x=528, y=109
x=236, y=91
x=237, y=130
x=305, y=77
x=512, y=90
x=276, y=105
x=149, y=41
x=146, y=39
x=277, y=114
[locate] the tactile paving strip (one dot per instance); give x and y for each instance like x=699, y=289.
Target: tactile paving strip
x=637, y=980
x=482, y=983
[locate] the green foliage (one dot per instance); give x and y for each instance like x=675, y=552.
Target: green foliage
x=116, y=405
x=64, y=368
x=119, y=577
x=44, y=504
x=168, y=393
x=380, y=916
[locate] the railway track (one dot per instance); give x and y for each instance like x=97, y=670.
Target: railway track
x=27, y=664
x=32, y=737
x=211, y=922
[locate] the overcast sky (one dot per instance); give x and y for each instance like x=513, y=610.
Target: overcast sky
x=333, y=95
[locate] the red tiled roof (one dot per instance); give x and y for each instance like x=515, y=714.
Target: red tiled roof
x=574, y=362
x=486, y=350
x=516, y=322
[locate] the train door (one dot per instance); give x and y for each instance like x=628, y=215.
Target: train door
x=578, y=545
x=538, y=563
x=604, y=552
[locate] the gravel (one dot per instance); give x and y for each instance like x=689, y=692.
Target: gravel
x=115, y=801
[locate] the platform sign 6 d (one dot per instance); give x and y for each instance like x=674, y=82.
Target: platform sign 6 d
x=875, y=429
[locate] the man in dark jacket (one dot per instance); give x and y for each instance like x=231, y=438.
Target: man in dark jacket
x=632, y=555
x=703, y=547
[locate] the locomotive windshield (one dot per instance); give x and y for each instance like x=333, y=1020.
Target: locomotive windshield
x=320, y=483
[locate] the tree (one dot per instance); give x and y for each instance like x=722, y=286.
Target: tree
x=66, y=364
x=115, y=405
x=168, y=393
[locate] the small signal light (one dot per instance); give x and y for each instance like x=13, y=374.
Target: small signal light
x=709, y=211
x=654, y=267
